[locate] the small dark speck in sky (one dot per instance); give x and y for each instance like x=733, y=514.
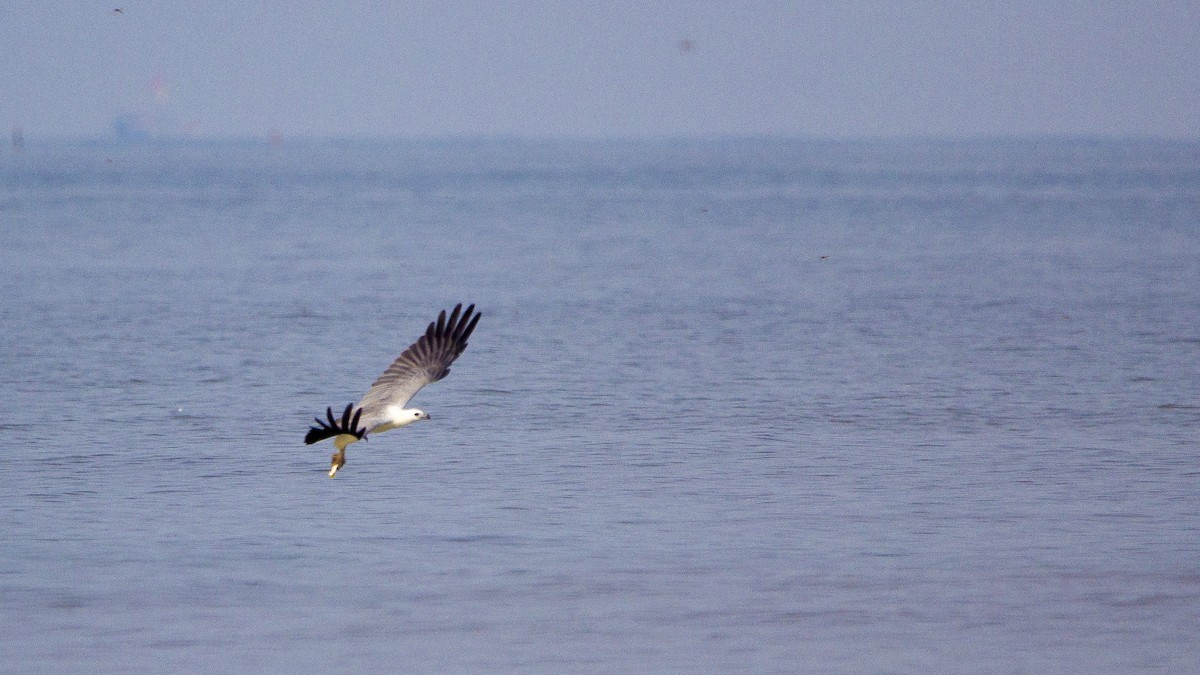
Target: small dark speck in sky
x=686, y=45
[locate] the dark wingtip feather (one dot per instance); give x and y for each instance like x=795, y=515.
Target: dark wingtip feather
x=463, y=330
x=334, y=427
x=314, y=435
x=470, y=328
x=452, y=322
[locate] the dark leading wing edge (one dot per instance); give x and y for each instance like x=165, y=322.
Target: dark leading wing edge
x=347, y=425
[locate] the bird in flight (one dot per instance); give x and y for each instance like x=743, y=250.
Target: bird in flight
x=425, y=361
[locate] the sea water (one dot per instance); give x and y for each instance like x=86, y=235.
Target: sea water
x=734, y=405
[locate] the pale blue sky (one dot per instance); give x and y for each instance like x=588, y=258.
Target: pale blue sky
x=615, y=68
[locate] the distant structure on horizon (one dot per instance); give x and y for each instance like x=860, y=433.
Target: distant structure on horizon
x=157, y=123
x=131, y=128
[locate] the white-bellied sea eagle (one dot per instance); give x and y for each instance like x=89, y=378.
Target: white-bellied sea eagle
x=425, y=361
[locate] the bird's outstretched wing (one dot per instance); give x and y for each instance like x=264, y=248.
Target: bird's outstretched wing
x=426, y=360
x=347, y=425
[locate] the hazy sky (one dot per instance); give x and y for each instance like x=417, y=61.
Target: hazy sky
x=604, y=68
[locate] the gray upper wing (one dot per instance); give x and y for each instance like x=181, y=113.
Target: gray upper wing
x=426, y=360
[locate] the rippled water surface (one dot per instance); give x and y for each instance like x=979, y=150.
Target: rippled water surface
x=733, y=406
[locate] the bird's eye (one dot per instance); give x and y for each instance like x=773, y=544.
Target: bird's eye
x=416, y=414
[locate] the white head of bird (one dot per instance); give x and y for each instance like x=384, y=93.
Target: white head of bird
x=401, y=417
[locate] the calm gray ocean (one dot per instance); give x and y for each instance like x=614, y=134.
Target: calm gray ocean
x=733, y=406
